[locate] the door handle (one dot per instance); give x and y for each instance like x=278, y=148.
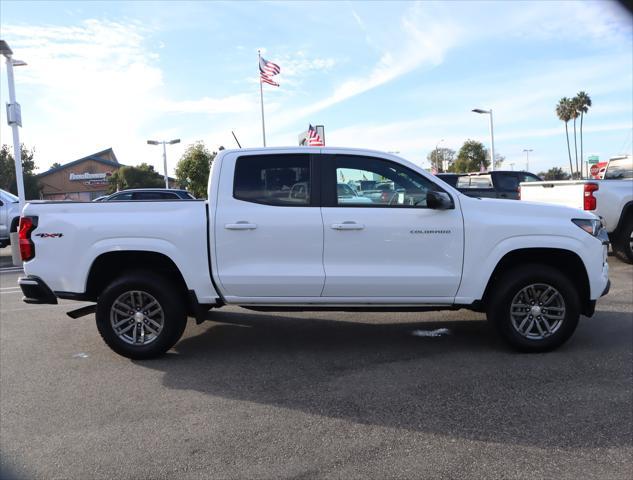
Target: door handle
x=348, y=226
x=240, y=226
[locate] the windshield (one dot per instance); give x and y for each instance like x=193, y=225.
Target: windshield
x=619, y=169
x=8, y=197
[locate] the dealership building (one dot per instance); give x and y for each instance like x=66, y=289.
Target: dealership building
x=82, y=180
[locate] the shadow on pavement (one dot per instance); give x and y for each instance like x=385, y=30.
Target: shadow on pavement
x=466, y=384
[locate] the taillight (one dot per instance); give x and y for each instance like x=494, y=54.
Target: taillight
x=590, y=201
x=27, y=249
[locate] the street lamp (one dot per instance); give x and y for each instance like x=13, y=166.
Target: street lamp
x=163, y=143
x=492, y=136
x=437, y=152
x=527, y=158
x=14, y=117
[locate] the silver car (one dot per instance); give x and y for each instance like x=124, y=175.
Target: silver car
x=9, y=216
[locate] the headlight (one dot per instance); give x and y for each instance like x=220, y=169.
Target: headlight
x=591, y=226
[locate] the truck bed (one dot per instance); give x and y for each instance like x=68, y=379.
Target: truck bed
x=177, y=229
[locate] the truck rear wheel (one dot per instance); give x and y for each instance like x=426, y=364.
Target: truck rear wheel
x=623, y=242
x=534, y=308
x=140, y=315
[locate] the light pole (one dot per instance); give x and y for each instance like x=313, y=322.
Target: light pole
x=492, y=136
x=164, y=143
x=527, y=158
x=14, y=118
x=437, y=151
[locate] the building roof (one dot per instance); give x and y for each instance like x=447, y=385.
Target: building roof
x=101, y=157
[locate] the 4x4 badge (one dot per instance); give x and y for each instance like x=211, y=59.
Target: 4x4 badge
x=49, y=235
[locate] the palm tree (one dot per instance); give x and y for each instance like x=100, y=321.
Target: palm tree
x=583, y=102
x=575, y=113
x=563, y=111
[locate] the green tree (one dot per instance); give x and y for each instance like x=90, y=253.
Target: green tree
x=583, y=102
x=193, y=169
x=56, y=165
x=470, y=158
x=439, y=157
x=7, y=172
x=554, y=173
x=564, y=111
x=142, y=176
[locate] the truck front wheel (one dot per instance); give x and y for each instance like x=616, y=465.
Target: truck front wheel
x=140, y=315
x=535, y=308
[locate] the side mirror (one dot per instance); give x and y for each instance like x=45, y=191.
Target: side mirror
x=438, y=200
x=1, y=203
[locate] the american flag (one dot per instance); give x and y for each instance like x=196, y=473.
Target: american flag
x=314, y=139
x=267, y=70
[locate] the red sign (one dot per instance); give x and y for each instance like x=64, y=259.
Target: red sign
x=594, y=170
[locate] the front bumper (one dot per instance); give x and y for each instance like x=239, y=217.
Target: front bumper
x=36, y=291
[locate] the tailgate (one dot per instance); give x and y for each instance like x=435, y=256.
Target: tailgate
x=566, y=193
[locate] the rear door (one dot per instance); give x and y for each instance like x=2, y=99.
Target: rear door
x=387, y=245
x=268, y=227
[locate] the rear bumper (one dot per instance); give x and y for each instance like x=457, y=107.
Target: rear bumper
x=36, y=291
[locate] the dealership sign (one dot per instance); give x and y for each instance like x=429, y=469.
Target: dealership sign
x=91, y=178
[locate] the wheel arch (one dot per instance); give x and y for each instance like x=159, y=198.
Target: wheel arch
x=566, y=261
x=626, y=214
x=109, y=265
x=15, y=221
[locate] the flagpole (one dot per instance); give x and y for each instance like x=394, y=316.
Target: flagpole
x=261, y=97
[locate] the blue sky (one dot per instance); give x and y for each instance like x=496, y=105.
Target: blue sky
x=388, y=76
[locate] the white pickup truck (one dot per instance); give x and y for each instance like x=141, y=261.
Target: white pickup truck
x=263, y=243
x=610, y=199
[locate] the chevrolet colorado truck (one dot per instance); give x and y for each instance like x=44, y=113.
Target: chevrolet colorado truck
x=611, y=199
x=278, y=234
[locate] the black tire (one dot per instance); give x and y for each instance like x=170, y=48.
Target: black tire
x=622, y=245
x=173, y=316
x=510, y=284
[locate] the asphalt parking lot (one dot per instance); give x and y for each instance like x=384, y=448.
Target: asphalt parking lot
x=325, y=395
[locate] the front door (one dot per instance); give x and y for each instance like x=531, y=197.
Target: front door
x=268, y=227
x=383, y=241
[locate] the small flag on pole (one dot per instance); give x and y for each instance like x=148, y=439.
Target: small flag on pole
x=314, y=139
x=267, y=70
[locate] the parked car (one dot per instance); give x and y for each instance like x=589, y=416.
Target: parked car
x=610, y=199
x=346, y=194
x=148, y=194
x=496, y=184
x=533, y=269
x=9, y=216
x=619, y=168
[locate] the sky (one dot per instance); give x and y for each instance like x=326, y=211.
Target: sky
x=400, y=77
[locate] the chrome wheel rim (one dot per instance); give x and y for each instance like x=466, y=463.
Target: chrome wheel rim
x=537, y=311
x=631, y=242
x=137, y=318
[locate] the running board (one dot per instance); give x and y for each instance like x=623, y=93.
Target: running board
x=83, y=311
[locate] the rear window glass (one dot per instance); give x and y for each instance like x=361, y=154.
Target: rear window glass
x=280, y=180
x=482, y=181
x=155, y=196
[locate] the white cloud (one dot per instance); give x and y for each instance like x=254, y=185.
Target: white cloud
x=422, y=40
